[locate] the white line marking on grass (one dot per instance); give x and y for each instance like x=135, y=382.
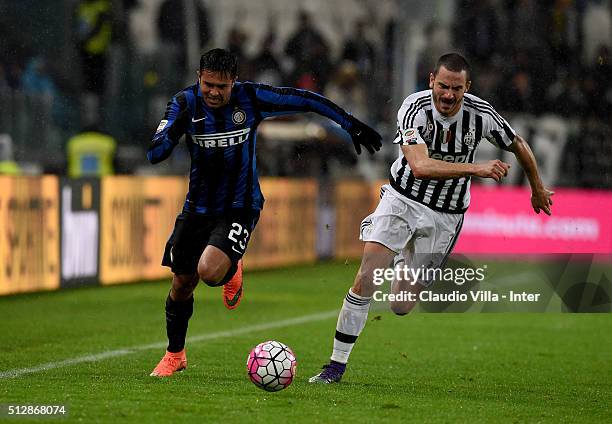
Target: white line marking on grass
x=195, y=339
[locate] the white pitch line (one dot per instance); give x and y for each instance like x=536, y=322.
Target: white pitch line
x=202, y=337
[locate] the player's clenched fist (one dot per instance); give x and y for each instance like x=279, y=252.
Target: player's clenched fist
x=495, y=169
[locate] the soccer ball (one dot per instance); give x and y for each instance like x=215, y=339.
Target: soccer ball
x=271, y=366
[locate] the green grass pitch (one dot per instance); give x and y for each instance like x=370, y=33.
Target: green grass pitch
x=470, y=367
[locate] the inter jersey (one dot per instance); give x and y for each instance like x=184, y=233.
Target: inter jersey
x=222, y=141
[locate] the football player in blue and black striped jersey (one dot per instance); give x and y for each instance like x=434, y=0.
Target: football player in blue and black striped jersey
x=219, y=117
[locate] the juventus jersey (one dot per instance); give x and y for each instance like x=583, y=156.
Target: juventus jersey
x=452, y=139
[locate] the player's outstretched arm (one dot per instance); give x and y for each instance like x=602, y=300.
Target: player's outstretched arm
x=274, y=101
x=540, y=195
x=424, y=167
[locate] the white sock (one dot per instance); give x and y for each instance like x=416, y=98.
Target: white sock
x=351, y=321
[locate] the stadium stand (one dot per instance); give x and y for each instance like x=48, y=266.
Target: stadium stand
x=569, y=77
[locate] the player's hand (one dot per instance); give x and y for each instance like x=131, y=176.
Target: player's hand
x=495, y=169
x=363, y=135
x=541, y=200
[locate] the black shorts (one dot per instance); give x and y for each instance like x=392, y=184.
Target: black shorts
x=192, y=233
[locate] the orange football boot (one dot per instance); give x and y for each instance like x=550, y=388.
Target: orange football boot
x=170, y=363
x=232, y=290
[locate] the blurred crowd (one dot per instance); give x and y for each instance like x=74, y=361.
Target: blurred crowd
x=540, y=56
x=547, y=57
x=529, y=57
x=312, y=65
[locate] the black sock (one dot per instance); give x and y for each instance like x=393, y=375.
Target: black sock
x=177, y=319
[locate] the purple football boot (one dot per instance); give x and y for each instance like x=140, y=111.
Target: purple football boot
x=332, y=373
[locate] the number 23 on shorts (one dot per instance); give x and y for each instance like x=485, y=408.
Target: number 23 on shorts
x=240, y=236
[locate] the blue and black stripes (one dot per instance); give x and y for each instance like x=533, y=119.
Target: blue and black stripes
x=222, y=141
x=170, y=129
x=283, y=100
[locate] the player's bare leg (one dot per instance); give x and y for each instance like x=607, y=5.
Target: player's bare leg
x=354, y=312
x=215, y=269
x=213, y=266
x=404, y=287
x=375, y=256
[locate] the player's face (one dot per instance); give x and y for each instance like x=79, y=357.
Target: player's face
x=448, y=89
x=216, y=88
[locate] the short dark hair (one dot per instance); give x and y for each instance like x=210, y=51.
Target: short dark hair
x=454, y=62
x=220, y=60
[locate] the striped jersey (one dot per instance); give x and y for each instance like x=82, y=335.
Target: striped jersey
x=452, y=139
x=221, y=141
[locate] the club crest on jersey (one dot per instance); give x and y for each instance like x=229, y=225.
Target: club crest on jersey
x=470, y=139
x=226, y=139
x=428, y=132
x=238, y=116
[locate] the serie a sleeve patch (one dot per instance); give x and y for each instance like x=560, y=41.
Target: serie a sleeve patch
x=161, y=125
x=409, y=137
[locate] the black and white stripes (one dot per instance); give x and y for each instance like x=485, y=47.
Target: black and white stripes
x=357, y=300
x=483, y=108
x=452, y=139
x=351, y=320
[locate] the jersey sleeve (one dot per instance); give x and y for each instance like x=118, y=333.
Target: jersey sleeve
x=276, y=101
x=497, y=130
x=169, y=130
x=411, y=124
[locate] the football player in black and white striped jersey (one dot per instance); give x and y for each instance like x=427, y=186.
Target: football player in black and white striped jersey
x=420, y=213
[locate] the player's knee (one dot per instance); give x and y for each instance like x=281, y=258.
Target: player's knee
x=400, y=308
x=183, y=286
x=211, y=275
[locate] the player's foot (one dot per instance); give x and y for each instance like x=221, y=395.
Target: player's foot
x=170, y=363
x=232, y=290
x=332, y=373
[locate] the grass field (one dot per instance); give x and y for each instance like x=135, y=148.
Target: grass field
x=93, y=348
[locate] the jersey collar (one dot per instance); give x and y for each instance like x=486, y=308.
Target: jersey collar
x=445, y=119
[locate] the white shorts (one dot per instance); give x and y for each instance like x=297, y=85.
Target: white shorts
x=419, y=235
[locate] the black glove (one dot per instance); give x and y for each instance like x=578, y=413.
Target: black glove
x=363, y=135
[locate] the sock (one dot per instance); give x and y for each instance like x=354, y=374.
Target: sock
x=177, y=319
x=351, y=321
